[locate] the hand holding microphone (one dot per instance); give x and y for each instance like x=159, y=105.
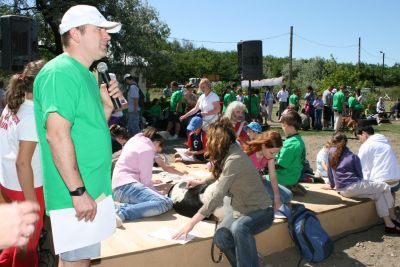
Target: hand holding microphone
x=113, y=94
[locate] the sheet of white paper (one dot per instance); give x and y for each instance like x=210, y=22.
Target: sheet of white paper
x=201, y=174
x=181, y=152
x=70, y=234
x=166, y=233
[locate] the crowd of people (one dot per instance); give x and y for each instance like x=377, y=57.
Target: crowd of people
x=57, y=155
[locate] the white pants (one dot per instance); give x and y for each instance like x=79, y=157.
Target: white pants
x=338, y=121
x=378, y=191
x=269, y=104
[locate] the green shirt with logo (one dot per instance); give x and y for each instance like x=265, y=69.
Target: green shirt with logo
x=68, y=88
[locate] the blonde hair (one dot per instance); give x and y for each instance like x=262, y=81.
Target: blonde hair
x=205, y=81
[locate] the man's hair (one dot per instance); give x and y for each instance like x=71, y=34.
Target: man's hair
x=292, y=118
x=367, y=128
x=174, y=83
x=66, y=37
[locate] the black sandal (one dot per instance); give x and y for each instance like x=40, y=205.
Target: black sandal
x=392, y=230
x=396, y=223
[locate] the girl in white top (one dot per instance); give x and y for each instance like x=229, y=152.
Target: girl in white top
x=21, y=174
x=207, y=104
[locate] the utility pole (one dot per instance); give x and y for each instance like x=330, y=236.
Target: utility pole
x=290, y=60
x=383, y=66
x=359, y=53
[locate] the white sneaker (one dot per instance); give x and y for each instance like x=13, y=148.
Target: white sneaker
x=278, y=215
x=118, y=221
x=174, y=137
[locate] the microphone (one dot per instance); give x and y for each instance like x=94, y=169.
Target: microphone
x=103, y=69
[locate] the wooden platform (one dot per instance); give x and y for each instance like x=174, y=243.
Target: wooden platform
x=133, y=245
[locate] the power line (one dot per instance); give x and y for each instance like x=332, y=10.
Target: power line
x=225, y=42
x=325, y=45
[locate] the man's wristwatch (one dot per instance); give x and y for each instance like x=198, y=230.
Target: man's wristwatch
x=78, y=192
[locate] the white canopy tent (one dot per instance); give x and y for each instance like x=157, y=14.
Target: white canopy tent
x=265, y=82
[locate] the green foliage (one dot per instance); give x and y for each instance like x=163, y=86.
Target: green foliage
x=219, y=87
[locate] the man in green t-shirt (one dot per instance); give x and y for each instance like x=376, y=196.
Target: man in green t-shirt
x=338, y=106
x=355, y=108
x=175, y=109
x=71, y=113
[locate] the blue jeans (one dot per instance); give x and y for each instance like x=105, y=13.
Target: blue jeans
x=235, y=237
x=286, y=194
x=139, y=201
x=133, y=122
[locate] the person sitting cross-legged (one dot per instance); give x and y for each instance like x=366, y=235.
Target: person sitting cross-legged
x=131, y=181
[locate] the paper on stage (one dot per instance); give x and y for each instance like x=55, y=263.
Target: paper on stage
x=181, y=152
x=70, y=234
x=166, y=233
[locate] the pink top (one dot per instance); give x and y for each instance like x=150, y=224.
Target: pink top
x=258, y=163
x=135, y=165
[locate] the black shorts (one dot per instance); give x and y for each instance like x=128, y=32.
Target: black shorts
x=327, y=113
x=173, y=117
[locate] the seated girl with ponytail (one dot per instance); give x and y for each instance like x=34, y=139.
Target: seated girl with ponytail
x=345, y=176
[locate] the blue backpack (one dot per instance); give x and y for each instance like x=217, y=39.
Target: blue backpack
x=313, y=243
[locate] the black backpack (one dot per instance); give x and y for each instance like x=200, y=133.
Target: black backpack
x=141, y=96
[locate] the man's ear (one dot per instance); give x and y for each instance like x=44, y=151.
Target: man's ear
x=75, y=35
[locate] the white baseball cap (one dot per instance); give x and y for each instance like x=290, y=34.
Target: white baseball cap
x=83, y=14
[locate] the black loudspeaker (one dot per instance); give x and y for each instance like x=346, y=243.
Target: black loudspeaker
x=250, y=60
x=18, y=42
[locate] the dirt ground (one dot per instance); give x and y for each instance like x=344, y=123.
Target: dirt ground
x=371, y=247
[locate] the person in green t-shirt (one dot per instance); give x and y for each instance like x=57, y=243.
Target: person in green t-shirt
x=155, y=111
x=175, y=110
x=338, y=106
x=71, y=113
x=355, y=108
x=294, y=99
x=291, y=157
x=228, y=97
x=255, y=104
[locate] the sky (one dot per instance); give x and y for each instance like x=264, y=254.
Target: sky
x=322, y=28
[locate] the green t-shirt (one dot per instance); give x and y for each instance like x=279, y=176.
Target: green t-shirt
x=176, y=97
x=338, y=100
x=155, y=110
x=233, y=96
x=67, y=87
x=294, y=100
x=255, y=100
x=353, y=103
x=290, y=159
x=227, y=100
